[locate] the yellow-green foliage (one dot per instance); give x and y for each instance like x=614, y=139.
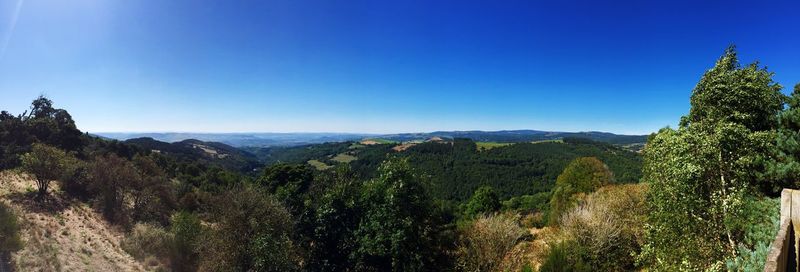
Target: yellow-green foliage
x=319, y=165
x=344, y=158
x=582, y=175
x=490, y=145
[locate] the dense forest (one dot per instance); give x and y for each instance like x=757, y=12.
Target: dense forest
x=699, y=197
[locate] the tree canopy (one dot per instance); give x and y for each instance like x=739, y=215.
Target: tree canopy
x=702, y=173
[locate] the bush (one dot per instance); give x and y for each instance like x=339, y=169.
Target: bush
x=564, y=257
x=484, y=200
x=9, y=231
x=148, y=240
x=487, y=240
x=608, y=227
x=251, y=232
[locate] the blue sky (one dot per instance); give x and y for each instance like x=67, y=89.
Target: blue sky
x=380, y=66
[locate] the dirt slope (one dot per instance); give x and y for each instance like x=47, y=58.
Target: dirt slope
x=62, y=234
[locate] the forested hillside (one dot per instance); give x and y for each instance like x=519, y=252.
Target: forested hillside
x=456, y=168
x=217, y=154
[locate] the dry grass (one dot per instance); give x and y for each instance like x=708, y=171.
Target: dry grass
x=62, y=235
x=485, y=243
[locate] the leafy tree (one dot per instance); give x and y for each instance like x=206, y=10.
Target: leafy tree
x=399, y=230
x=289, y=183
x=730, y=93
x=42, y=124
x=150, y=193
x=111, y=177
x=187, y=231
x=701, y=173
x=337, y=217
x=582, y=175
x=484, y=200
x=784, y=167
x=45, y=163
x=252, y=233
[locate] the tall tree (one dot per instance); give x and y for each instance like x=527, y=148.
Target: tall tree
x=399, y=230
x=784, y=166
x=701, y=173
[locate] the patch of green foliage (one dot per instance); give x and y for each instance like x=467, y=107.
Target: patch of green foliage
x=763, y=216
x=484, y=200
x=9, y=231
x=489, y=145
x=703, y=173
x=319, y=165
x=564, y=257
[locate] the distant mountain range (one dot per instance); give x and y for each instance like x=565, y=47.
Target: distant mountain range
x=295, y=139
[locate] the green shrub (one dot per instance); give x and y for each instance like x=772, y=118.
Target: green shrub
x=186, y=230
x=484, y=200
x=564, y=257
x=761, y=223
x=9, y=231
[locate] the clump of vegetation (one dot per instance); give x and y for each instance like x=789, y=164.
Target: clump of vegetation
x=46, y=164
x=484, y=200
x=252, y=232
x=783, y=167
x=761, y=222
x=399, y=230
x=582, y=175
x=702, y=174
x=148, y=240
x=9, y=231
x=186, y=232
x=564, y=257
x=488, y=239
x=608, y=227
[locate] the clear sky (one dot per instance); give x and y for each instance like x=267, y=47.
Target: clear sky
x=380, y=66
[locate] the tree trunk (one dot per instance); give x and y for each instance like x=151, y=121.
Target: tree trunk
x=42, y=189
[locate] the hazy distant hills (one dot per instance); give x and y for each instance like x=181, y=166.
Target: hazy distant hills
x=512, y=136
x=295, y=139
x=244, y=139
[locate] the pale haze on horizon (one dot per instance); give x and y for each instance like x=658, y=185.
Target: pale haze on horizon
x=366, y=67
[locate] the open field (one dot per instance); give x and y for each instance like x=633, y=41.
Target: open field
x=344, y=158
x=374, y=141
x=319, y=165
x=490, y=145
